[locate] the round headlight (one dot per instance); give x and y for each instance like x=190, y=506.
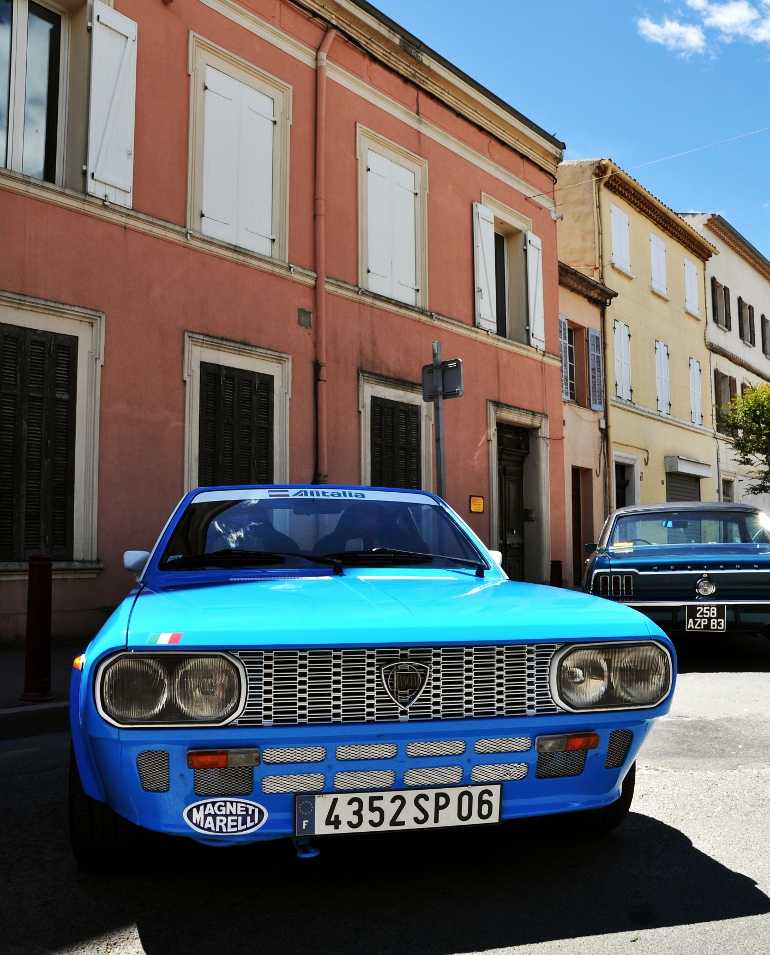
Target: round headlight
x=207, y=688
x=641, y=675
x=583, y=677
x=134, y=689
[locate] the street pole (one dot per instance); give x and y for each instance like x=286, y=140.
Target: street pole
x=438, y=406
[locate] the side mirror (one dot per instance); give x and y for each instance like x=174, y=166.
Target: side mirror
x=497, y=557
x=135, y=560
x=590, y=548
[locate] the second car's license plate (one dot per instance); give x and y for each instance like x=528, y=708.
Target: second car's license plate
x=706, y=617
x=328, y=814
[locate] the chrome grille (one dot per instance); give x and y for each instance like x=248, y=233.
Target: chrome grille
x=326, y=686
x=365, y=779
x=505, y=744
x=617, y=750
x=296, y=783
x=434, y=776
x=153, y=770
x=233, y=781
x=553, y=765
x=498, y=772
x=436, y=747
x=367, y=751
x=294, y=754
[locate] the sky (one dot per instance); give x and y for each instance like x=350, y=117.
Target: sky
x=630, y=80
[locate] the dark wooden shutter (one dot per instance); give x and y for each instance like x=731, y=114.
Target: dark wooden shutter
x=235, y=426
x=714, y=306
x=395, y=444
x=752, y=329
x=38, y=372
x=765, y=338
x=728, y=313
x=741, y=321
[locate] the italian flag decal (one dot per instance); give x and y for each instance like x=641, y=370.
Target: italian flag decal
x=164, y=638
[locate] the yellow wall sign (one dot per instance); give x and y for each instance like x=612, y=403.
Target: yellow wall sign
x=477, y=505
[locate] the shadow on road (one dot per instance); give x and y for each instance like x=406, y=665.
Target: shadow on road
x=441, y=893
x=728, y=653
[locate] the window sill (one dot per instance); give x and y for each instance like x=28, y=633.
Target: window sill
x=748, y=344
x=619, y=268
x=62, y=569
x=691, y=313
x=659, y=294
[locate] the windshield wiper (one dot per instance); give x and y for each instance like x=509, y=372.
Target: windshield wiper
x=229, y=557
x=408, y=556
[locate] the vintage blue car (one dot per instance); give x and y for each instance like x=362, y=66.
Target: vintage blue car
x=310, y=661
x=693, y=568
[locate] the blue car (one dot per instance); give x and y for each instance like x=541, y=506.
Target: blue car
x=298, y=662
x=693, y=568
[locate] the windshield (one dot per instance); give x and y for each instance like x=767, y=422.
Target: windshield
x=306, y=531
x=691, y=527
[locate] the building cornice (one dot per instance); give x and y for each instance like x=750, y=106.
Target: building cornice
x=724, y=353
x=735, y=241
x=621, y=184
x=584, y=285
x=392, y=46
x=669, y=420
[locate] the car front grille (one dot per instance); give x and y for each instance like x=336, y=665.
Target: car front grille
x=327, y=686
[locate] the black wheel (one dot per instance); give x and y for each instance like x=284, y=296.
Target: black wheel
x=600, y=822
x=102, y=841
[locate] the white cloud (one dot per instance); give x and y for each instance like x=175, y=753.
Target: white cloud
x=732, y=20
x=684, y=38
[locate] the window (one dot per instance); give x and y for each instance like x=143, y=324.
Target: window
x=623, y=387
x=662, y=384
x=696, y=400
x=581, y=365
x=728, y=490
x=621, y=252
x=720, y=304
x=30, y=85
x=239, y=153
x=393, y=211
x=725, y=389
x=691, y=287
x=658, y=264
x=38, y=391
x=746, y=328
x=235, y=444
x=625, y=471
x=508, y=274
x=395, y=444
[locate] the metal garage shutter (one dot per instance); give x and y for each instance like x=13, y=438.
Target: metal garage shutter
x=682, y=487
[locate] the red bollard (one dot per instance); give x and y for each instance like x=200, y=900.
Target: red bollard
x=37, y=662
x=556, y=580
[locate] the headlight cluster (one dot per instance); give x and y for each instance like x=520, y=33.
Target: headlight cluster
x=170, y=688
x=607, y=676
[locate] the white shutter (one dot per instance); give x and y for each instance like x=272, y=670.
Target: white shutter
x=691, y=287
x=595, y=370
x=254, y=208
x=220, y=157
x=621, y=249
x=696, y=400
x=536, y=307
x=379, y=233
x=623, y=361
x=110, y=164
x=658, y=263
x=664, y=366
x=404, y=249
x=564, y=352
x=484, y=264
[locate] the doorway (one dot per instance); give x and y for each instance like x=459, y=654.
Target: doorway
x=512, y=449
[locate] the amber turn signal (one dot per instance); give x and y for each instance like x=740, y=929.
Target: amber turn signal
x=207, y=759
x=79, y=662
x=567, y=742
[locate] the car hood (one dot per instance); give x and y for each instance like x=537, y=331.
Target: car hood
x=375, y=608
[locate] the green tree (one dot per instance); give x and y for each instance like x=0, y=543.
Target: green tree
x=746, y=423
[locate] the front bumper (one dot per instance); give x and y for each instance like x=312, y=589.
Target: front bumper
x=112, y=754
x=751, y=616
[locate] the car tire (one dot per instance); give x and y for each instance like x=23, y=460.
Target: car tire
x=102, y=841
x=601, y=822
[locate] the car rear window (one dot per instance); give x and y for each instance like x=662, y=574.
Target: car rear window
x=691, y=527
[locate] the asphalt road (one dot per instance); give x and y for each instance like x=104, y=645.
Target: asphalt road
x=688, y=872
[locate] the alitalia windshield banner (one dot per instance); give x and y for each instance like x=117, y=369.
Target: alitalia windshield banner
x=323, y=492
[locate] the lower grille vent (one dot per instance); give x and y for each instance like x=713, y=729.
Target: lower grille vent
x=436, y=747
x=153, y=770
x=511, y=744
x=498, y=772
x=554, y=765
x=296, y=783
x=435, y=776
x=294, y=754
x=365, y=779
x=367, y=751
x=234, y=781
x=617, y=750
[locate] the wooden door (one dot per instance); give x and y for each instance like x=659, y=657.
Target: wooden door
x=512, y=449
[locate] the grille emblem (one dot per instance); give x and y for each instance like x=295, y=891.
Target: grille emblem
x=404, y=682
x=705, y=587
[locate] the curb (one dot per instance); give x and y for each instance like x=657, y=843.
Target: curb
x=19, y=721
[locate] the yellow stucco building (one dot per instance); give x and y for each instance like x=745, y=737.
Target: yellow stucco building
x=658, y=392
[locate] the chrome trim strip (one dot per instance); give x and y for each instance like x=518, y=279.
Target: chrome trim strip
x=97, y=688
x=696, y=603
x=557, y=657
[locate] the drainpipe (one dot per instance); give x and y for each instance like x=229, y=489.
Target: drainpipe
x=609, y=469
x=322, y=465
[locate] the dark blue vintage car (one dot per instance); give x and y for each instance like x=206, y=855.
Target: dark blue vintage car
x=692, y=568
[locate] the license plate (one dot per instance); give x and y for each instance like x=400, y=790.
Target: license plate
x=706, y=617
x=329, y=814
